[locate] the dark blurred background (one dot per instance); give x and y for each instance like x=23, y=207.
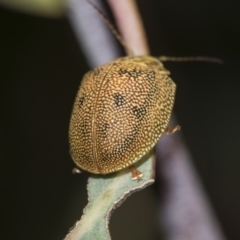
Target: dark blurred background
x=41, y=66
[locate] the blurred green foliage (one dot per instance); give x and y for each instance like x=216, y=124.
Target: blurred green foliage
x=47, y=8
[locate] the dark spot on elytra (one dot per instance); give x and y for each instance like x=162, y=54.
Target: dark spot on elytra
x=118, y=99
x=104, y=128
x=150, y=75
x=139, y=112
x=134, y=73
x=81, y=101
x=105, y=158
x=122, y=71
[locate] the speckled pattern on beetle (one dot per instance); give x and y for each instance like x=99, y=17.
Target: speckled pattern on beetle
x=121, y=110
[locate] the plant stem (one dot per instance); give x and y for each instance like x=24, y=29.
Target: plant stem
x=130, y=25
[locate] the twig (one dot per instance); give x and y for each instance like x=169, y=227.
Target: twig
x=130, y=25
x=185, y=210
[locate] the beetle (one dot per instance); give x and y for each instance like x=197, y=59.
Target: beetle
x=121, y=110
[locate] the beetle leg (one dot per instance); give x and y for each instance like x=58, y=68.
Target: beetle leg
x=76, y=171
x=172, y=130
x=136, y=175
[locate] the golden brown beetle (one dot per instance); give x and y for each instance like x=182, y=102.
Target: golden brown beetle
x=121, y=110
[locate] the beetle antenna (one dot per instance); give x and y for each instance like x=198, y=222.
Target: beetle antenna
x=112, y=28
x=191, y=59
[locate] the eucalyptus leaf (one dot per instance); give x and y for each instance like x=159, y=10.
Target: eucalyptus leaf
x=106, y=193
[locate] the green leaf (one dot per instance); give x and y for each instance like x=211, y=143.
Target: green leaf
x=48, y=8
x=106, y=193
